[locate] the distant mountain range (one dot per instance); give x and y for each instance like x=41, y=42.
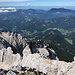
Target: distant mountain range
x=31, y=19
x=60, y=10
x=55, y=26
x=41, y=14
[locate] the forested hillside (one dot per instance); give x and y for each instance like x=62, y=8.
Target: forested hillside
x=55, y=26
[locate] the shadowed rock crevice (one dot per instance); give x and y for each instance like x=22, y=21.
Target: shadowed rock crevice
x=13, y=40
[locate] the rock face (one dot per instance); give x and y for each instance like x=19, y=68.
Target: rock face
x=74, y=58
x=34, y=64
x=7, y=58
x=48, y=67
x=20, y=57
x=41, y=48
x=20, y=45
x=26, y=50
x=11, y=73
x=13, y=48
x=12, y=40
x=45, y=65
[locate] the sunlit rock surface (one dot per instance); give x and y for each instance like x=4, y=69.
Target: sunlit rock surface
x=17, y=56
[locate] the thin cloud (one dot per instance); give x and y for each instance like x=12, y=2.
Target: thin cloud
x=12, y=0
x=28, y=4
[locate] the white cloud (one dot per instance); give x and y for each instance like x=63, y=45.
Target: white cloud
x=9, y=9
x=12, y=0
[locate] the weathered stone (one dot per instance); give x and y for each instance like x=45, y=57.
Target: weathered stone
x=74, y=58
x=9, y=50
x=50, y=73
x=17, y=68
x=10, y=73
x=71, y=69
x=2, y=73
x=15, y=41
x=43, y=51
x=1, y=56
x=7, y=57
x=60, y=73
x=12, y=45
x=26, y=50
x=37, y=62
x=19, y=45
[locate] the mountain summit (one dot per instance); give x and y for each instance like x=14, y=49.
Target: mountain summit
x=60, y=10
x=36, y=58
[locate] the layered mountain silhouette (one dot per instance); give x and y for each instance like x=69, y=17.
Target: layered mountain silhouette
x=34, y=24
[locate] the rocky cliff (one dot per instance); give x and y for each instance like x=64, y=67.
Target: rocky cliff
x=22, y=46
x=20, y=57
x=13, y=40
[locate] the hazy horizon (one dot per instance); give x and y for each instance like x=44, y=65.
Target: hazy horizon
x=40, y=7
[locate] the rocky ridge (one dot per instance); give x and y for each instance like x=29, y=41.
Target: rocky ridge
x=20, y=57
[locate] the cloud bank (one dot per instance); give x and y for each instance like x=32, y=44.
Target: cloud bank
x=12, y=0
x=9, y=9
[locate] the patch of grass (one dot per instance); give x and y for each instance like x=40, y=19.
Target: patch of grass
x=69, y=41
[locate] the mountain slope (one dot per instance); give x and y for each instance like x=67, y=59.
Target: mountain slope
x=65, y=51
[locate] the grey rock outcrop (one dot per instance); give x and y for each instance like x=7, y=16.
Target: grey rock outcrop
x=26, y=50
x=44, y=65
x=74, y=58
x=48, y=67
x=10, y=73
x=41, y=48
x=16, y=64
x=3, y=43
x=21, y=46
x=17, y=50
x=8, y=59
x=13, y=40
x=16, y=53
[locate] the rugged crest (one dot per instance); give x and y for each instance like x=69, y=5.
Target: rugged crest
x=13, y=40
x=36, y=59
x=20, y=45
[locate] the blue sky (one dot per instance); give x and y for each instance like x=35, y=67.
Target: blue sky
x=37, y=2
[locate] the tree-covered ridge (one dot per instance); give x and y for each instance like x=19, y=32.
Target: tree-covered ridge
x=56, y=27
